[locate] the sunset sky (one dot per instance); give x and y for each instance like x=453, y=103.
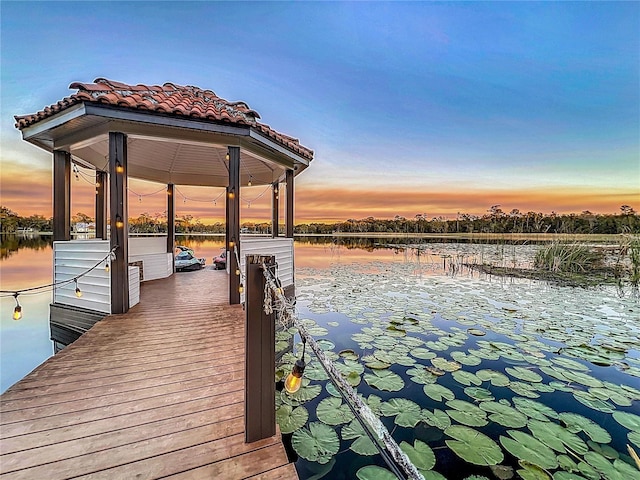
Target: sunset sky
x=411, y=108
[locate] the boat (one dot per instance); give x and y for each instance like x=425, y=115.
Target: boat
x=186, y=260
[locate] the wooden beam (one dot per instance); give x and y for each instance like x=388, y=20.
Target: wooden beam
x=260, y=390
x=275, y=216
x=233, y=223
x=171, y=218
x=289, y=209
x=118, y=221
x=61, y=195
x=101, y=205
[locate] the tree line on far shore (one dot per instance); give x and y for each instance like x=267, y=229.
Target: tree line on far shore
x=494, y=221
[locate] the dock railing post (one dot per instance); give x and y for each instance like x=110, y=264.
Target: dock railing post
x=260, y=388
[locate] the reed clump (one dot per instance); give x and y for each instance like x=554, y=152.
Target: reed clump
x=568, y=258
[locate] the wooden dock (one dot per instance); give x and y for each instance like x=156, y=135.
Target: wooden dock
x=157, y=392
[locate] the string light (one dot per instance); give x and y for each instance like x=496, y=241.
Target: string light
x=226, y=157
x=78, y=291
x=169, y=192
x=119, y=222
x=17, y=311
x=249, y=183
x=119, y=168
x=232, y=194
x=238, y=271
x=294, y=379
x=241, y=288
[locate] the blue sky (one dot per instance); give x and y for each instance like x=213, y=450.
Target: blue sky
x=522, y=101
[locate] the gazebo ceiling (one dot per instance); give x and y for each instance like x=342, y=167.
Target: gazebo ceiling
x=175, y=134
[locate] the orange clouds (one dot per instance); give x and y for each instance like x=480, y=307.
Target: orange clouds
x=30, y=193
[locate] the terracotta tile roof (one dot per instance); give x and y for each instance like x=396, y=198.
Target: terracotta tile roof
x=178, y=100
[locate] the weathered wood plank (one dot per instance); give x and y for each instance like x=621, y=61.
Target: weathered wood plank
x=156, y=392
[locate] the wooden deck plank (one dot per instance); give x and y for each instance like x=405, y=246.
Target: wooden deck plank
x=153, y=393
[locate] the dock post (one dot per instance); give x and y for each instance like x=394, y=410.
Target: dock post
x=260, y=388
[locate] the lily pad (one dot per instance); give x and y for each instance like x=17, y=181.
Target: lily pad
x=291, y=419
x=374, y=472
x=421, y=376
x=533, y=409
x=407, y=413
x=467, y=413
x=577, y=423
x=525, y=447
x=437, y=418
x=557, y=437
x=420, y=454
x=318, y=443
x=423, y=353
x=332, y=411
x=523, y=374
x=445, y=365
x=504, y=414
x=473, y=447
x=466, y=378
x=303, y=395
x=478, y=393
x=438, y=392
x=362, y=444
x=348, y=354
x=629, y=420
x=497, y=379
x=384, y=380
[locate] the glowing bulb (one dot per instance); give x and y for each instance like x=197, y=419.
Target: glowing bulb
x=169, y=191
x=237, y=271
x=78, y=292
x=231, y=244
x=119, y=168
x=119, y=222
x=232, y=194
x=275, y=189
x=97, y=184
x=17, y=312
x=294, y=379
x=241, y=288
x=226, y=157
x=107, y=267
x=249, y=183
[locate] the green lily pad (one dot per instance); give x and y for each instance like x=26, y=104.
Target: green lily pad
x=374, y=472
x=466, y=359
x=315, y=371
x=421, y=376
x=476, y=332
x=438, y=392
x=618, y=470
x=423, y=353
x=291, y=419
x=384, y=380
x=437, y=418
x=332, y=411
x=362, y=444
x=504, y=415
x=532, y=472
x=478, y=393
x=303, y=395
x=466, y=378
x=533, y=409
x=523, y=389
x=467, y=413
x=525, y=447
x=317, y=443
x=407, y=413
x=497, y=379
x=420, y=455
x=523, y=374
x=445, y=365
x=629, y=420
x=557, y=437
x=577, y=423
x=634, y=437
x=473, y=447
x=348, y=354
x=592, y=402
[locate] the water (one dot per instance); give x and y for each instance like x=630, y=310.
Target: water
x=351, y=287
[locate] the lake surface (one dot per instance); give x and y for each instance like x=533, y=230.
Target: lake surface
x=539, y=379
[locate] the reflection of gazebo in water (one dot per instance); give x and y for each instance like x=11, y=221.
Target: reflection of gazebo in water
x=176, y=135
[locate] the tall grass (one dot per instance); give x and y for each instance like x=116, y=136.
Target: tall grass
x=568, y=258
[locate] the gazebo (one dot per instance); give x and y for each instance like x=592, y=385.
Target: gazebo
x=171, y=134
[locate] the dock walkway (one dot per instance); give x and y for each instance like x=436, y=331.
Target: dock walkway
x=157, y=392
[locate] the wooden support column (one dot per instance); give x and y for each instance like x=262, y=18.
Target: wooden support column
x=61, y=195
x=288, y=219
x=233, y=223
x=118, y=213
x=275, y=216
x=101, y=205
x=259, y=391
x=171, y=218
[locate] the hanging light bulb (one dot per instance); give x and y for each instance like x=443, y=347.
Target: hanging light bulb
x=226, y=157
x=241, y=288
x=97, y=184
x=294, y=379
x=78, y=291
x=119, y=222
x=119, y=168
x=249, y=183
x=107, y=266
x=232, y=244
x=232, y=194
x=17, y=311
x=237, y=271
x=169, y=191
